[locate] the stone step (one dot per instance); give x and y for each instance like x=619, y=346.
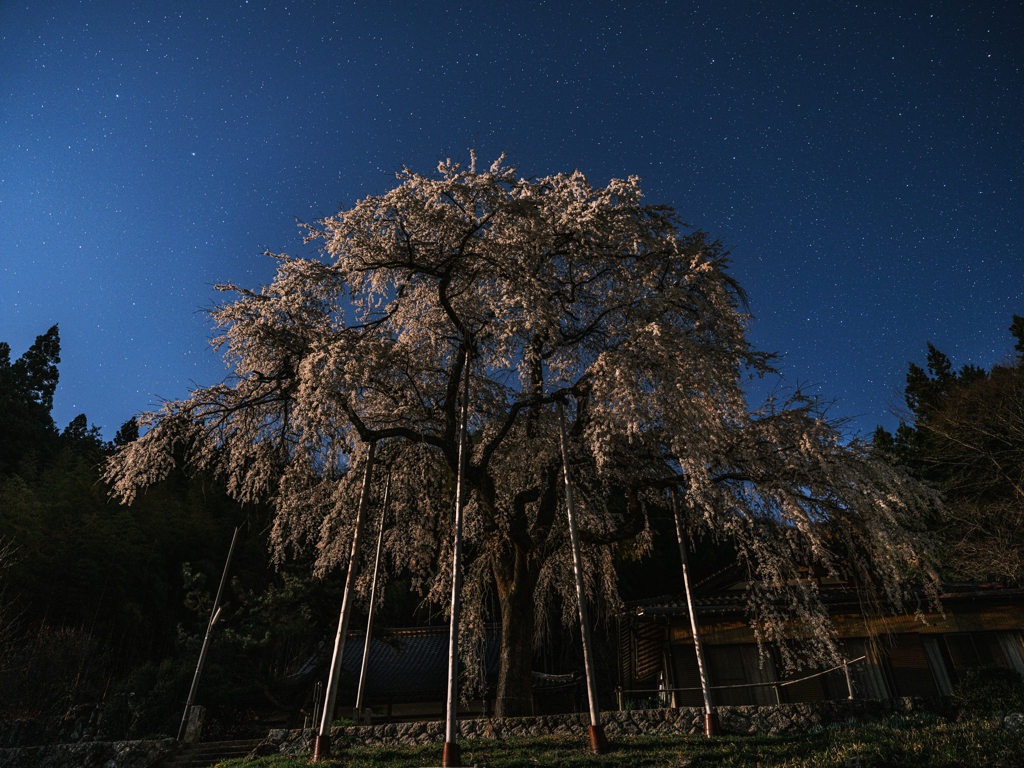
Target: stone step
x=209, y=753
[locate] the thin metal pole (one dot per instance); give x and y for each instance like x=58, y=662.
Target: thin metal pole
x=710, y=716
x=373, y=597
x=451, y=756
x=597, y=738
x=322, y=748
x=214, y=613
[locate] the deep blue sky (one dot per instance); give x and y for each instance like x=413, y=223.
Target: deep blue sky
x=863, y=161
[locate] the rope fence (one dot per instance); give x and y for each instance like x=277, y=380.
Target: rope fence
x=776, y=684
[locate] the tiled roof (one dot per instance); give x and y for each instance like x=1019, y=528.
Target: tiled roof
x=410, y=664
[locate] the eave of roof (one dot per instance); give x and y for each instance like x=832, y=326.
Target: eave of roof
x=722, y=602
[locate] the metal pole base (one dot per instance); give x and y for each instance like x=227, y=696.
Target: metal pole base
x=711, y=724
x=452, y=757
x=598, y=743
x=322, y=748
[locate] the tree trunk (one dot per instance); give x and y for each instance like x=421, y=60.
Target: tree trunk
x=515, y=584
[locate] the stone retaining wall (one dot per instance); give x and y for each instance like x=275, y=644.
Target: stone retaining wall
x=773, y=721
x=94, y=754
x=28, y=732
x=80, y=723
x=782, y=719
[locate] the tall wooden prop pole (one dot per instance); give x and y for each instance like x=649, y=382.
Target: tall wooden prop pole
x=452, y=756
x=710, y=716
x=206, y=640
x=598, y=743
x=322, y=748
x=373, y=599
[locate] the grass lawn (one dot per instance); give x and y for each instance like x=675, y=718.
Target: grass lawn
x=901, y=742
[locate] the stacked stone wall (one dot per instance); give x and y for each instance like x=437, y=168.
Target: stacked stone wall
x=740, y=721
x=27, y=732
x=773, y=721
x=89, y=754
x=79, y=724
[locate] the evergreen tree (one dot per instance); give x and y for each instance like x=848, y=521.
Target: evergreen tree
x=1017, y=329
x=81, y=438
x=26, y=399
x=92, y=602
x=128, y=433
x=966, y=435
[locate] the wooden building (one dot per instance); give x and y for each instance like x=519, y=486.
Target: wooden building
x=979, y=625
x=407, y=678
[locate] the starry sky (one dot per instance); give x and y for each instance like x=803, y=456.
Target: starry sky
x=862, y=161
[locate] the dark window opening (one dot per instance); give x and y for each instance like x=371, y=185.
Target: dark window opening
x=971, y=650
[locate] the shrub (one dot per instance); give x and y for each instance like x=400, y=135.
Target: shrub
x=989, y=689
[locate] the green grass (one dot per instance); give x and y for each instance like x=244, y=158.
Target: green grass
x=909, y=742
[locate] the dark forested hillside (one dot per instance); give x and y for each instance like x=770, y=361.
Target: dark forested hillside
x=104, y=602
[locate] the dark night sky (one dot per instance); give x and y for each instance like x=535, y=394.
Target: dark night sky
x=862, y=161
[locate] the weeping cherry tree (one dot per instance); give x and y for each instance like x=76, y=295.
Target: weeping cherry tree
x=555, y=291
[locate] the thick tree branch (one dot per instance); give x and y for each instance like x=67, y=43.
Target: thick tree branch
x=368, y=435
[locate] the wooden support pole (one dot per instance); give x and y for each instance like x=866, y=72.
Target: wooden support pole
x=710, y=716
x=452, y=757
x=322, y=748
x=373, y=597
x=214, y=613
x=598, y=743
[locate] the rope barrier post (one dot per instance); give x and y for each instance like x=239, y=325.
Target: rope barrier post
x=849, y=682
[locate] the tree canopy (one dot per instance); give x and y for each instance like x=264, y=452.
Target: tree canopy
x=550, y=289
x=964, y=431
